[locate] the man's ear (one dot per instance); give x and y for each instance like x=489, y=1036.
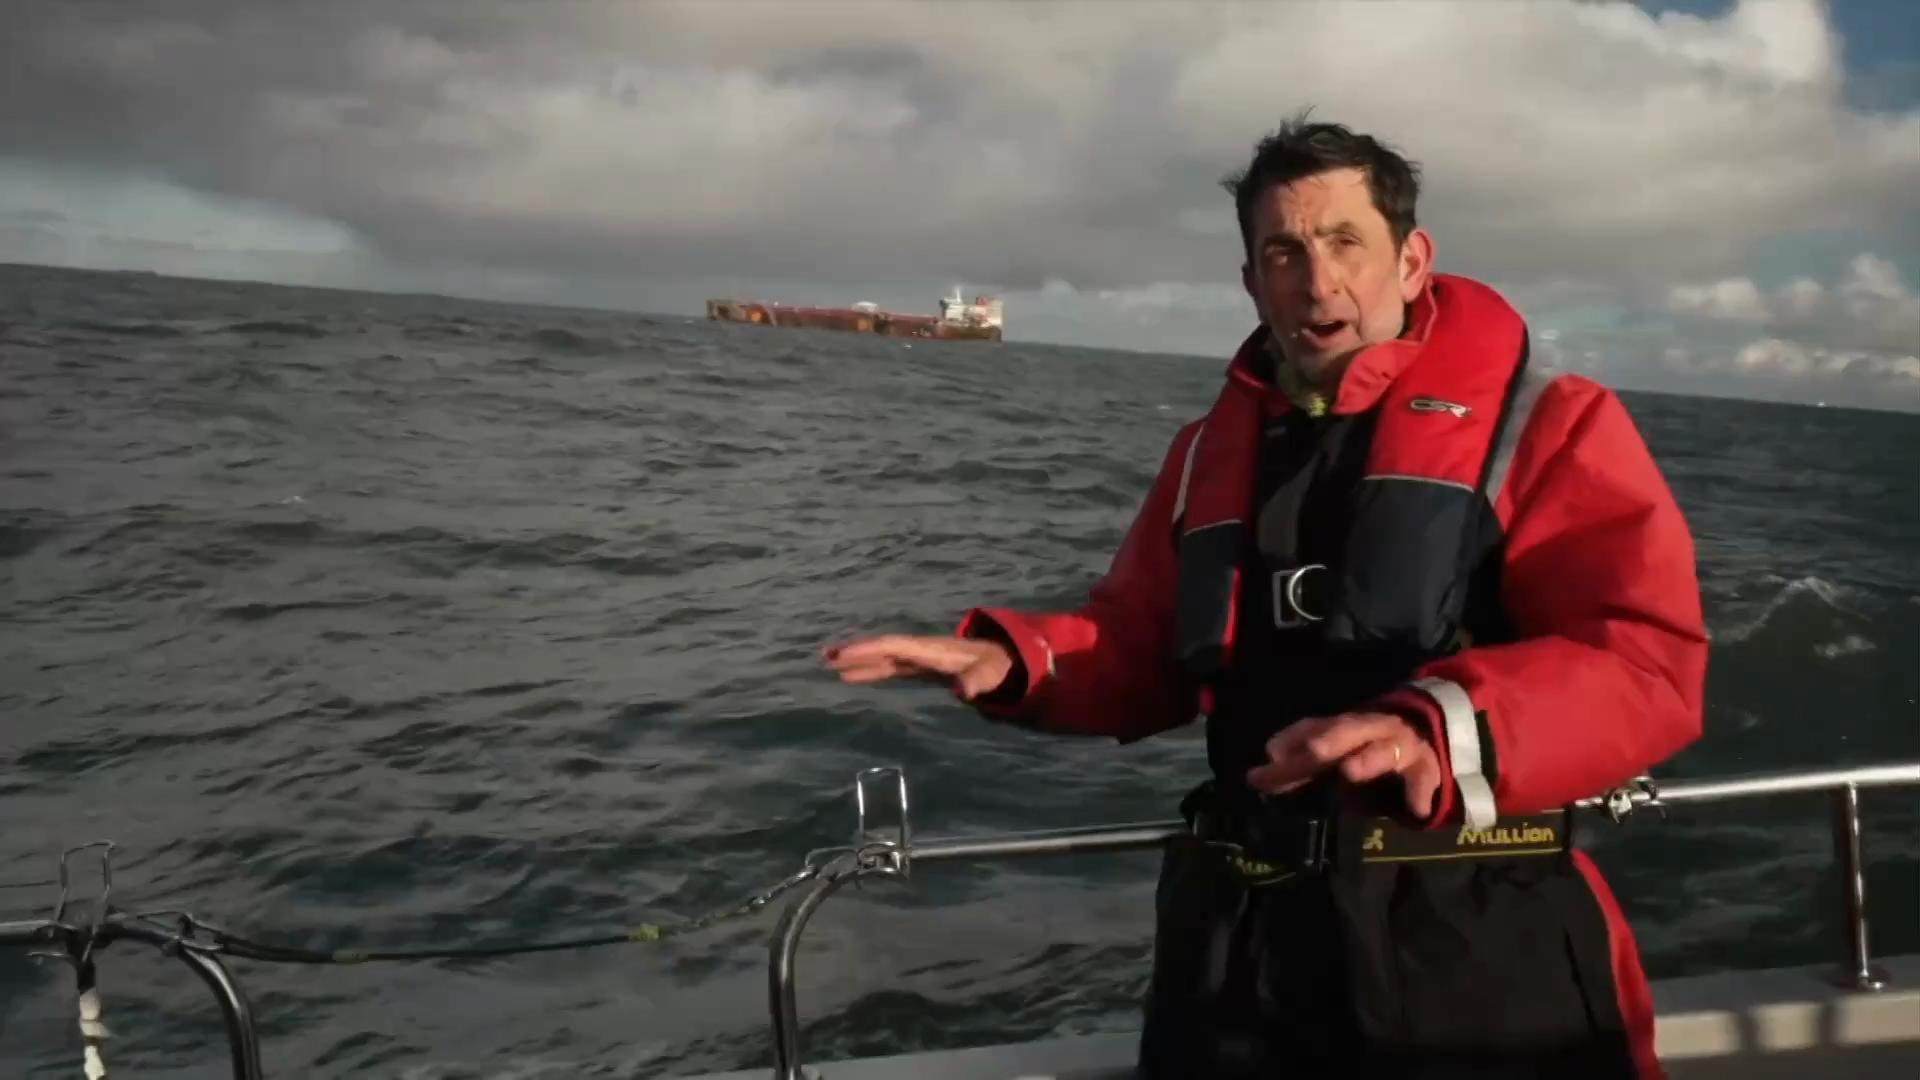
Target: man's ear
x=1246, y=281
x=1416, y=264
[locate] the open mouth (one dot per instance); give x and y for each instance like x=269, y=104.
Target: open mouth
x=1323, y=331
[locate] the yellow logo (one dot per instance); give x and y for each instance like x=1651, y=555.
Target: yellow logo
x=1532, y=834
x=1375, y=841
x=1253, y=867
x=1257, y=873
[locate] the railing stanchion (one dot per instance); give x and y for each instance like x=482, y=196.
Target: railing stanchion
x=1858, y=971
x=785, y=953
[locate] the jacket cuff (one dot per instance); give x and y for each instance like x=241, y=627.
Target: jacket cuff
x=1018, y=696
x=1423, y=712
x=1463, y=730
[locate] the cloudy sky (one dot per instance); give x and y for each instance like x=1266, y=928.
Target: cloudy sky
x=1699, y=196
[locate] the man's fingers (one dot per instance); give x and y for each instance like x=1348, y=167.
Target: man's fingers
x=1360, y=745
x=1277, y=779
x=1324, y=740
x=945, y=655
x=1290, y=761
x=871, y=672
x=887, y=647
x=1422, y=781
x=1345, y=734
x=972, y=667
x=1292, y=739
x=1374, y=760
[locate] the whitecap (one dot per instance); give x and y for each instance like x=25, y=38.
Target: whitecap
x=1850, y=645
x=1827, y=593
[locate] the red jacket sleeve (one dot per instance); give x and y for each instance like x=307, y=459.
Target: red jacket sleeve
x=1106, y=668
x=1607, y=672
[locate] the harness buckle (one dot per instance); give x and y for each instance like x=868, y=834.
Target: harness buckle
x=1300, y=596
x=1265, y=842
x=1319, y=833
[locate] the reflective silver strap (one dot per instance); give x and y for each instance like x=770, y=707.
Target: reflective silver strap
x=1533, y=383
x=1186, y=472
x=1411, y=479
x=1463, y=749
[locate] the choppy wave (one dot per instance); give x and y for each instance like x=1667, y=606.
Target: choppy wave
x=1804, y=614
x=1818, y=673
x=1799, y=611
x=279, y=328
x=126, y=329
x=452, y=328
x=570, y=342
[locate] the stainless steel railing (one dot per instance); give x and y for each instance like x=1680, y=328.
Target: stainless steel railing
x=870, y=855
x=74, y=945
x=895, y=855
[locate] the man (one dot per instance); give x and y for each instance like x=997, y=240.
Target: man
x=1425, y=597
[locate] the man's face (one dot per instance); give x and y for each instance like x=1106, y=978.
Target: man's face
x=1326, y=275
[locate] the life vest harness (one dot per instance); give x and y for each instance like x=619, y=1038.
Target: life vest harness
x=1267, y=848
x=1440, y=448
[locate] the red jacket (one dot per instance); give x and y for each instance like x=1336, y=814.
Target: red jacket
x=1605, y=677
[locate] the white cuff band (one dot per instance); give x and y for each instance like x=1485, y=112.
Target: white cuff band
x=1463, y=749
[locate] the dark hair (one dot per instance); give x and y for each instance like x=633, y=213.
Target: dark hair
x=1300, y=149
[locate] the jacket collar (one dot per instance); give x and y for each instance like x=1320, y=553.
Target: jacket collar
x=1368, y=374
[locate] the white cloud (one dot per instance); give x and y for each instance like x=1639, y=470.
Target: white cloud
x=1733, y=300
x=1854, y=341
x=1877, y=296
x=1774, y=355
x=131, y=209
x=1162, y=296
x=1872, y=308
x=1076, y=140
x=1594, y=140
x=1161, y=316
x=1782, y=362
x=1801, y=298
x=1581, y=155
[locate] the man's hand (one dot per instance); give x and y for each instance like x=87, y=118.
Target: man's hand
x=1362, y=746
x=972, y=666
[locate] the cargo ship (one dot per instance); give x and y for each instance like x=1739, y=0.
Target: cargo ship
x=959, y=319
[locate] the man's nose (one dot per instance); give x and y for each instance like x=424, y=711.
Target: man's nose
x=1323, y=277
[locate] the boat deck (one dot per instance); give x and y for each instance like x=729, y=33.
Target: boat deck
x=1749, y=1025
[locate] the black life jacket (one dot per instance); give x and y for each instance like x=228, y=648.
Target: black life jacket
x=1388, y=545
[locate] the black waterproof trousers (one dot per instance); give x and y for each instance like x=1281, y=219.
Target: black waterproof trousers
x=1486, y=969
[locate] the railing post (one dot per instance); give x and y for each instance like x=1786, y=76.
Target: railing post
x=1858, y=972
x=243, y=1041
x=784, y=954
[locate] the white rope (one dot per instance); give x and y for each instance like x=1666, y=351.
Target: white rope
x=93, y=1031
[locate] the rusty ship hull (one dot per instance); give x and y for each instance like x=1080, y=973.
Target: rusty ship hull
x=851, y=320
